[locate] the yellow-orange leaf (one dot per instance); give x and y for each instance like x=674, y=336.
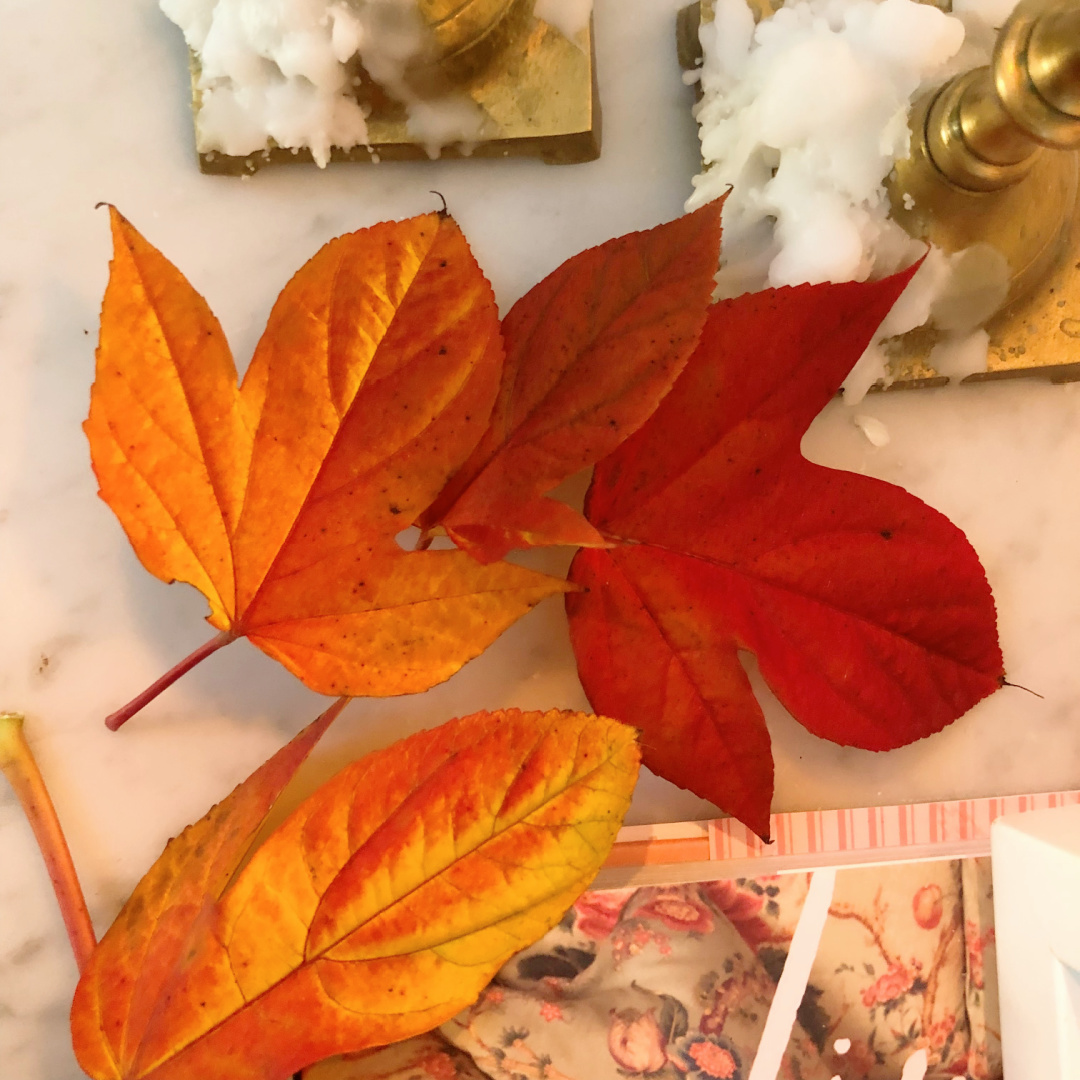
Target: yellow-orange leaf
x=130, y=970
x=280, y=500
x=381, y=907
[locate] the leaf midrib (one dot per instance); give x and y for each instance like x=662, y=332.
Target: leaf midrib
x=769, y=583
x=448, y=763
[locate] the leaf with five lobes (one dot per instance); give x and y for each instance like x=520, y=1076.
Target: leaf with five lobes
x=381, y=906
x=280, y=500
x=868, y=611
x=590, y=351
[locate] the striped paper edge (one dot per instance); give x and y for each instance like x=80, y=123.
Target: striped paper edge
x=914, y=831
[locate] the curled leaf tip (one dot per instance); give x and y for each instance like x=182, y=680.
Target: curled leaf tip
x=445, y=211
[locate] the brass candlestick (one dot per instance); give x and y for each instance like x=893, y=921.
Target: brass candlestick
x=536, y=90
x=461, y=25
x=993, y=163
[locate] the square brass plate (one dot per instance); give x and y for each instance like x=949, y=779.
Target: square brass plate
x=537, y=91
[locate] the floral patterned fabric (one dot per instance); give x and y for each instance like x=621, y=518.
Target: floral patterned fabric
x=675, y=982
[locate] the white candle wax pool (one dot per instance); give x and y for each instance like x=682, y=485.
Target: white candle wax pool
x=803, y=116
x=284, y=71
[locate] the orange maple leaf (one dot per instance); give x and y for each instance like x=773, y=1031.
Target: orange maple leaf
x=380, y=907
x=280, y=500
x=590, y=352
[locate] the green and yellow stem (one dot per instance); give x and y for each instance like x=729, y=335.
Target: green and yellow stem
x=18, y=765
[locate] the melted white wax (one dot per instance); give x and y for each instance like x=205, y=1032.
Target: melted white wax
x=802, y=117
x=282, y=71
x=273, y=70
x=569, y=17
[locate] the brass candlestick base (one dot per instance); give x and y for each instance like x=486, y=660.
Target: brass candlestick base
x=989, y=165
x=992, y=165
x=536, y=89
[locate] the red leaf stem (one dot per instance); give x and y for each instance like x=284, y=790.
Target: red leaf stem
x=114, y=720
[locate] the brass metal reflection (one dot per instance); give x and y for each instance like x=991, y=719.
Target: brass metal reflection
x=994, y=164
x=535, y=89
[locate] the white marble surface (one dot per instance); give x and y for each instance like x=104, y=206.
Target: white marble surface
x=93, y=106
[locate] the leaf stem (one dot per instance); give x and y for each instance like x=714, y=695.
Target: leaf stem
x=18, y=765
x=114, y=720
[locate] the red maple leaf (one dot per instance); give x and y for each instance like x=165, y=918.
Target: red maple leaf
x=868, y=611
x=590, y=351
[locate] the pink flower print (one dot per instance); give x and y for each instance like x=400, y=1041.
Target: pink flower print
x=893, y=984
x=927, y=906
x=936, y=1038
x=937, y=1034
x=743, y=908
x=598, y=912
x=439, y=1066
x=633, y=938
x=677, y=909
x=976, y=944
x=550, y=1011
x=736, y=903
x=975, y=964
x=636, y=1042
x=493, y=995
x=978, y=1068
x=858, y=1061
x=740, y=988
x=710, y=1058
x=727, y=995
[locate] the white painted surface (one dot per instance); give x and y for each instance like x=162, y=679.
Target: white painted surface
x=1036, y=860
x=791, y=988
x=94, y=106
